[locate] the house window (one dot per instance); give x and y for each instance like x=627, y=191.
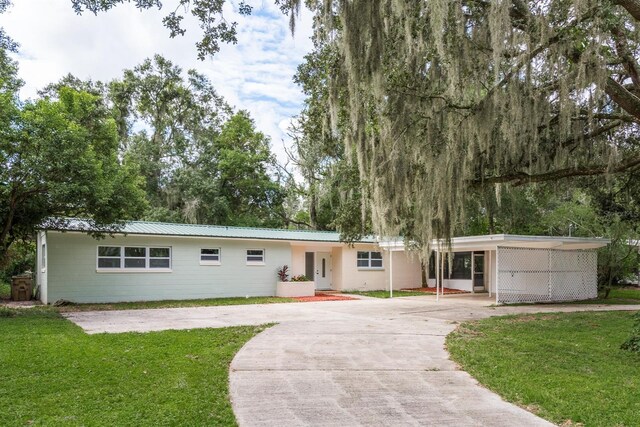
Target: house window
x=43, y=259
x=255, y=256
x=210, y=256
x=432, y=265
x=122, y=258
x=159, y=258
x=371, y=260
x=461, y=266
x=135, y=257
x=109, y=256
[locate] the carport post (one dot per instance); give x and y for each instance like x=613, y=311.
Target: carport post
x=391, y=273
x=437, y=266
x=497, y=272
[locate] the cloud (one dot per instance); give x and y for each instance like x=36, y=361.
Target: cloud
x=254, y=75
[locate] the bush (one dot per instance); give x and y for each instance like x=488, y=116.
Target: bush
x=633, y=343
x=20, y=258
x=5, y=290
x=283, y=273
x=300, y=278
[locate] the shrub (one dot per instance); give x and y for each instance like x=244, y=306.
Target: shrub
x=283, y=273
x=300, y=278
x=633, y=343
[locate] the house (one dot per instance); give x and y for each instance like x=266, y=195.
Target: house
x=516, y=269
x=147, y=261
x=157, y=261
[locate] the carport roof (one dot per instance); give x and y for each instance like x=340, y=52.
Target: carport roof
x=195, y=230
x=493, y=241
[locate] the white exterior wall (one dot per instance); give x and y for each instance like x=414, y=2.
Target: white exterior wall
x=336, y=268
x=407, y=272
x=298, y=260
x=72, y=261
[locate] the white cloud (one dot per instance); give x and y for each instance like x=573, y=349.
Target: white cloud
x=255, y=74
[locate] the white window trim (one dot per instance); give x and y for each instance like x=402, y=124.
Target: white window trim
x=264, y=256
x=205, y=262
x=122, y=268
x=369, y=267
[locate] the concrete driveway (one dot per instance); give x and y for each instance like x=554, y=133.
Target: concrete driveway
x=347, y=363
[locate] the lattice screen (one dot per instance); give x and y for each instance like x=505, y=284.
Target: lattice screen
x=544, y=275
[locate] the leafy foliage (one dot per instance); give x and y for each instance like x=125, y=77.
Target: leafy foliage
x=448, y=99
x=633, y=343
x=209, y=13
x=283, y=273
x=59, y=157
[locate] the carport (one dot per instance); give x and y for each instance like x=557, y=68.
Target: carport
x=515, y=268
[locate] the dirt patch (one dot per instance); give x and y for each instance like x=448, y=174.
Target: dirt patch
x=324, y=297
x=446, y=291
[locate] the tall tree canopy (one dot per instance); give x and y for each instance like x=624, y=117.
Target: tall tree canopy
x=59, y=157
x=448, y=97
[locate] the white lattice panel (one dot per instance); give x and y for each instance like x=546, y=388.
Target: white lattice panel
x=546, y=275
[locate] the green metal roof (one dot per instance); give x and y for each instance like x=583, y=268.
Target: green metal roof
x=197, y=230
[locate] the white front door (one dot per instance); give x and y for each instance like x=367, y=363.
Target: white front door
x=323, y=271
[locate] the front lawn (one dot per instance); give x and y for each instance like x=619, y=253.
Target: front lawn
x=54, y=374
x=385, y=294
x=563, y=367
x=210, y=302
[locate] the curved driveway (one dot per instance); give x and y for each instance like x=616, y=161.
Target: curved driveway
x=347, y=363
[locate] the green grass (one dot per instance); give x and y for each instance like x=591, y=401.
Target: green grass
x=561, y=366
x=385, y=294
x=54, y=374
x=174, y=303
x=622, y=296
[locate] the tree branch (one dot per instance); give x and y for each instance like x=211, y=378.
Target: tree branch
x=521, y=178
x=632, y=6
x=624, y=98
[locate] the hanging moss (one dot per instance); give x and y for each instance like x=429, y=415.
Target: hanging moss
x=448, y=97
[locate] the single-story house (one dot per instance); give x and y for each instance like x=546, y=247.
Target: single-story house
x=515, y=268
x=156, y=261
x=147, y=261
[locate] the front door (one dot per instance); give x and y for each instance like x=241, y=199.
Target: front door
x=323, y=271
x=478, y=271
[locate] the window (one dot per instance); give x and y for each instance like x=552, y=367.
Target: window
x=461, y=266
x=432, y=265
x=134, y=258
x=159, y=258
x=43, y=259
x=372, y=260
x=255, y=256
x=109, y=256
x=210, y=256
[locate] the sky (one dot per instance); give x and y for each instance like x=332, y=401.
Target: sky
x=254, y=75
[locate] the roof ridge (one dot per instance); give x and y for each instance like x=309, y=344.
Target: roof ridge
x=236, y=227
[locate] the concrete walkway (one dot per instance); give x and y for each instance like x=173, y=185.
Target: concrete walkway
x=347, y=363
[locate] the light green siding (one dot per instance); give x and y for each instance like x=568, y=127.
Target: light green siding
x=72, y=269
